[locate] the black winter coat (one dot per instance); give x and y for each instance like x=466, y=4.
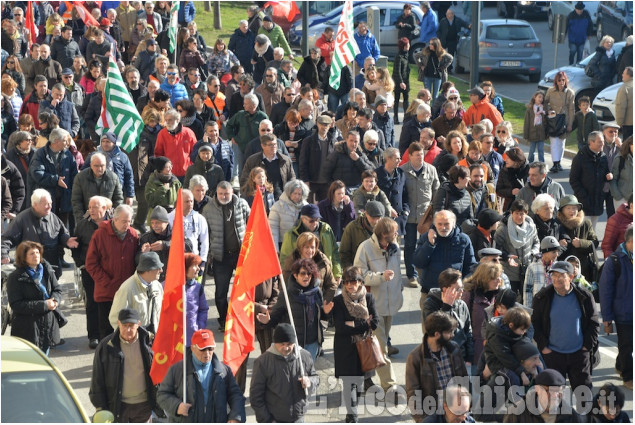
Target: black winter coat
x=108, y=366
x=212, y=172
x=347, y=361
x=346, y=82
x=449, y=197
x=340, y=166
x=141, y=154
x=386, y=124
x=401, y=71
x=498, y=350
x=14, y=156
x=587, y=178
x=395, y=189
x=308, y=73
x=16, y=184
x=166, y=238
x=410, y=133
x=508, y=180
x=32, y=320
x=243, y=46
x=408, y=28
x=602, y=69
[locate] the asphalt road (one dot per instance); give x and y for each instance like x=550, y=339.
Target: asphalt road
x=518, y=87
x=75, y=358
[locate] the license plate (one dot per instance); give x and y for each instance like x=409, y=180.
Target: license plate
x=510, y=63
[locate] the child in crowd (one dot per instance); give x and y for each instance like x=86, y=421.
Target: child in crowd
x=534, y=128
x=608, y=404
x=585, y=121
x=579, y=278
x=369, y=191
x=537, y=276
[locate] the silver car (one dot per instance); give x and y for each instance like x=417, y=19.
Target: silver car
x=579, y=82
x=506, y=46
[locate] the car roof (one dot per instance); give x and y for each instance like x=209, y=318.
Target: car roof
x=19, y=355
x=489, y=22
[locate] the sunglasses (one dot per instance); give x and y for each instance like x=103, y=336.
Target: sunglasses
x=501, y=132
x=171, y=73
x=304, y=273
x=11, y=62
x=453, y=98
x=195, y=75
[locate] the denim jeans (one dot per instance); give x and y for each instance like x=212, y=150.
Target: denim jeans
x=313, y=348
x=333, y=101
x=410, y=243
x=540, y=146
x=575, y=49
x=223, y=271
x=432, y=84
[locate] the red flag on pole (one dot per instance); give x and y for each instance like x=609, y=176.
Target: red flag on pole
x=283, y=9
x=29, y=22
x=258, y=261
x=84, y=13
x=168, y=344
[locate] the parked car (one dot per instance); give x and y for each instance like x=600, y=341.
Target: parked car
x=579, y=82
x=388, y=12
x=615, y=18
x=506, y=46
x=566, y=7
x=604, y=104
x=34, y=389
x=519, y=9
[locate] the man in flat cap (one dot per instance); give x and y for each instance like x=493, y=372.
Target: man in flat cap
x=121, y=379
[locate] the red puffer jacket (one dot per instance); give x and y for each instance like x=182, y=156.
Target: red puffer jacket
x=615, y=229
x=109, y=260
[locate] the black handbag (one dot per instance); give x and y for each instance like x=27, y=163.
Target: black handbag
x=557, y=126
x=61, y=319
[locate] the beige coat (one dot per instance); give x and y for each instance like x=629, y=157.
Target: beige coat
x=624, y=104
x=563, y=102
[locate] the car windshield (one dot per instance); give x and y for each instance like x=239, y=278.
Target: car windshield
x=37, y=397
x=509, y=32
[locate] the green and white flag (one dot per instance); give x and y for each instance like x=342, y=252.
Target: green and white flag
x=174, y=25
x=119, y=115
x=345, y=45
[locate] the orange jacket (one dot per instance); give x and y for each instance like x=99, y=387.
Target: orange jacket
x=481, y=110
x=218, y=105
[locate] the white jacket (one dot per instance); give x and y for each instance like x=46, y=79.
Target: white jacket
x=373, y=261
x=282, y=217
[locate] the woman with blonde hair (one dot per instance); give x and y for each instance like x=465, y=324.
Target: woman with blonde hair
x=480, y=292
x=412, y=109
x=383, y=85
x=433, y=63
x=504, y=138
x=8, y=87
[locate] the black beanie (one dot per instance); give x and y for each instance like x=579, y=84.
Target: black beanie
x=159, y=162
x=506, y=297
x=283, y=333
x=524, y=349
x=488, y=217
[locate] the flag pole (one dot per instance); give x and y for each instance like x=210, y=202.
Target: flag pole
x=297, y=343
x=184, y=343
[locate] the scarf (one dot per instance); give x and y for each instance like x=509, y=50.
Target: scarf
x=37, y=274
x=309, y=299
x=520, y=235
x=187, y=121
x=356, y=303
x=609, y=53
x=163, y=178
x=538, y=111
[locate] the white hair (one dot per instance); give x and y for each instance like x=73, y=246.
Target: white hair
x=542, y=200
x=198, y=180
x=265, y=122
x=252, y=98
x=97, y=155
x=38, y=194
x=243, y=22
x=121, y=209
x=174, y=114
x=371, y=135
x=278, y=51
x=423, y=108
x=58, y=134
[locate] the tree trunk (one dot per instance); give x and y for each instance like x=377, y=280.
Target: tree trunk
x=217, y=21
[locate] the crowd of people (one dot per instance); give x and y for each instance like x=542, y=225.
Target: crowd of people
x=506, y=261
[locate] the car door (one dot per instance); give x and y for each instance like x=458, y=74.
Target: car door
x=390, y=33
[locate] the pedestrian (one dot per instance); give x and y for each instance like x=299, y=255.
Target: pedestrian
x=162, y=187
x=205, y=375
x=456, y=407
x=278, y=391
x=561, y=100
x=615, y=288
x=433, y=63
x=616, y=225
x=354, y=315
x=513, y=176
x=543, y=210
x=449, y=31
x=120, y=380
x=538, y=276
x=493, y=98
x=568, y=344
x=196, y=303
x=534, y=126
x=359, y=230
x=602, y=66
x=481, y=108
x=579, y=28
x=585, y=121
x=624, y=103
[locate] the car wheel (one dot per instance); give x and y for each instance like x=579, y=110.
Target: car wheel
x=550, y=20
x=598, y=33
x=534, y=78
x=414, y=50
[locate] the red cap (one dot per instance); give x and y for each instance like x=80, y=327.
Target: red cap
x=105, y=22
x=203, y=338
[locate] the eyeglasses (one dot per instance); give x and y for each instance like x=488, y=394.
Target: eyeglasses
x=11, y=62
x=612, y=131
x=171, y=73
x=371, y=66
x=290, y=94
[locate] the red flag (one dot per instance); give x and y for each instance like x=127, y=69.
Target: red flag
x=168, y=344
x=84, y=13
x=283, y=9
x=258, y=261
x=29, y=22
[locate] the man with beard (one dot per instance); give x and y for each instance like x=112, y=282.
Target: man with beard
x=153, y=87
x=64, y=48
x=270, y=89
x=98, y=211
x=246, y=86
x=175, y=142
x=537, y=183
x=12, y=41
x=226, y=217
x=62, y=108
x=483, y=194
x=135, y=88
x=315, y=149
x=365, y=123
x=27, y=63
x=309, y=72
x=436, y=353
x=32, y=102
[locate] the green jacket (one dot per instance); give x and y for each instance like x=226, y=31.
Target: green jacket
x=157, y=194
x=243, y=127
x=276, y=36
x=354, y=234
x=328, y=245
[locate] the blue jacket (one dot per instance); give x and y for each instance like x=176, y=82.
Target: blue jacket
x=615, y=293
x=44, y=175
x=429, y=26
x=243, y=46
x=454, y=251
x=579, y=27
x=496, y=162
x=367, y=47
x=177, y=91
x=65, y=111
x=119, y=163
x=386, y=124
x=187, y=12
